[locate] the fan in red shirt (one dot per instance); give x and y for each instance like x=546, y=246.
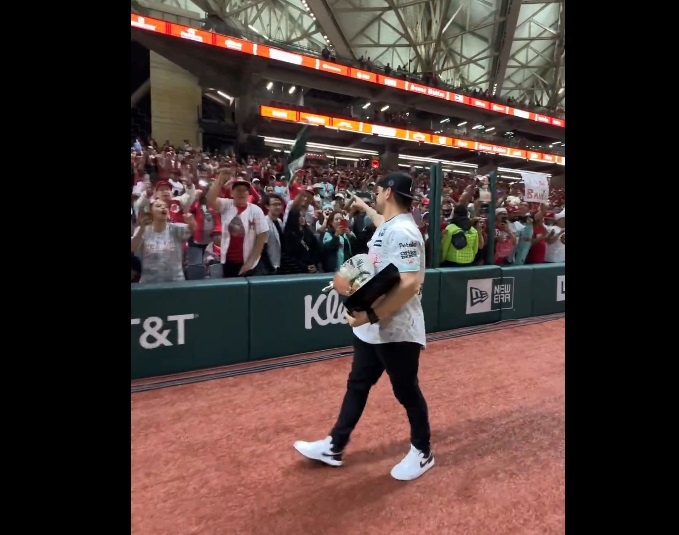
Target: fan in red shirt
x=294, y=187
x=203, y=214
x=538, y=249
x=163, y=191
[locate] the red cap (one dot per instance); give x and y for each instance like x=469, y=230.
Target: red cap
x=162, y=183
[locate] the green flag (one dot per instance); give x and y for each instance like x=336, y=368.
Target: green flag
x=297, y=152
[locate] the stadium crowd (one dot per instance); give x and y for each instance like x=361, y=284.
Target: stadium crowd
x=196, y=215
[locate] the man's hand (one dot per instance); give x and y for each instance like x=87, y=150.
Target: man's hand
x=360, y=204
x=244, y=269
x=145, y=220
x=357, y=319
x=312, y=269
x=225, y=177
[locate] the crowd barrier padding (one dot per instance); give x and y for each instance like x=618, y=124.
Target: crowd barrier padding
x=289, y=314
x=195, y=325
x=467, y=296
x=186, y=326
x=549, y=289
x=520, y=280
x=430, y=299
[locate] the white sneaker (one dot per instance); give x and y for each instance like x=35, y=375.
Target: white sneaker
x=413, y=465
x=321, y=450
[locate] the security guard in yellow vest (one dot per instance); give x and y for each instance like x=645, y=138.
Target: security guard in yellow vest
x=460, y=240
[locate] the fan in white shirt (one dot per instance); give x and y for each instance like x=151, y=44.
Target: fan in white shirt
x=556, y=243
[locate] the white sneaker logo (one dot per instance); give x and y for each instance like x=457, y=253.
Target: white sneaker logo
x=334, y=310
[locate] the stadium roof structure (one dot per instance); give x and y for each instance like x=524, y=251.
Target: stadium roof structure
x=510, y=47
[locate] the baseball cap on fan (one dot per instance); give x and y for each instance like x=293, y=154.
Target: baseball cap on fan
x=400, y=183
x=240, y=180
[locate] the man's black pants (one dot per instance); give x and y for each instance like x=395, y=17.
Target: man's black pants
x=401, y=361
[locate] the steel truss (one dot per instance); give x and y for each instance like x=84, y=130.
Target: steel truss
x=510, y=47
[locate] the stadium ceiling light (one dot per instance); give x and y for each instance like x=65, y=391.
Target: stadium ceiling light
x=462, y=123
x=269, y=85
x=434, y=160
x=366, y=105
x=519, y=171
x=291, y=90
x=282, y=141
x=385, y=108
x=217, y=100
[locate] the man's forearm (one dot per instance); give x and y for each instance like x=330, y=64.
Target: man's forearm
x=213, y=194
x=376, y=218
x=395, y=299
x=258, y=248
x=187, y=198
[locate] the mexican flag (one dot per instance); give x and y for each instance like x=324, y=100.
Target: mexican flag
x=297, y=152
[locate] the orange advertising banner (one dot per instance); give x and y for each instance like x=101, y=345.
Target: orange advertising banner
x=147, y=23
x=420, y=137
x=333, y=68
x=363, y=75
x=278, y=113
x=191, y=34
x=349, y=126
x=231, y=43
x=281, y=114
x=313, y=118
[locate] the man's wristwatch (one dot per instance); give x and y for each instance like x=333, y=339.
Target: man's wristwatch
x=372, y=316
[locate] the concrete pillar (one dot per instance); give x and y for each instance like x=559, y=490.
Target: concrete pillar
x=389, y=158
x=175, y=103
x=246, y=108
x=140, y=92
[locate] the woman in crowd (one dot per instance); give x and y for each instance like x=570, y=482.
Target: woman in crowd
x=207, y=219
x=301, y=246
x=337, y=245
x=159, y=242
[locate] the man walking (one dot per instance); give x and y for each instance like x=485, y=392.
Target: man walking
x=390, y=336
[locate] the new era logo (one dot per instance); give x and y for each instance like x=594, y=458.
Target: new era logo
x=561, y=288
x=488, y=295
x=477, y=296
